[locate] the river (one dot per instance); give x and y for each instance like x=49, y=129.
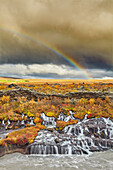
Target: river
x=95, y=161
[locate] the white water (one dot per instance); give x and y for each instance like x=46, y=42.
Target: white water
x=49, y=122
x=75, y=139
x=96, y=161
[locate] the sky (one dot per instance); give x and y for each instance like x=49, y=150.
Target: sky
x=79, y=29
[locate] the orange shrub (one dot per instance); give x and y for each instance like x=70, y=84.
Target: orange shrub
x=107, y=99
x=37, y=120
x=5, y=99
x=24, y=136
x=62, y=124
x=92, y=101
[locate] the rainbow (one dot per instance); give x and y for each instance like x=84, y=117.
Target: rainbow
x=67, y=58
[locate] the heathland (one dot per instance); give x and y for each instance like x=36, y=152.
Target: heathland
x=30, y=105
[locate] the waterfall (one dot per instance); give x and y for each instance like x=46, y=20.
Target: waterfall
x=22, y=116
x=86, y=136
x=22, y=122
x=49, y=122
x=45, y=149
x=8, y=122
x=3, y=123
x=31, y=122
x=56, y=150
x=69, y=150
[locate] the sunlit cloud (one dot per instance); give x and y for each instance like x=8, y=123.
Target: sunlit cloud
x=50, y=71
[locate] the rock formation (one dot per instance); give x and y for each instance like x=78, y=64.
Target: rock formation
x=31, y=94
x=84, y=137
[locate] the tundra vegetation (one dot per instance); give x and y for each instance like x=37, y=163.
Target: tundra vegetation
x=21, y=117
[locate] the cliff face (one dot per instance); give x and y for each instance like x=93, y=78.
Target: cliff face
x=11, y=149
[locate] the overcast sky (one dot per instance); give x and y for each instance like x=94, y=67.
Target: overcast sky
x=82, y=29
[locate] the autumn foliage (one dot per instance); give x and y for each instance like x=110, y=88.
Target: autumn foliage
x=23, y=136
x=23, y=109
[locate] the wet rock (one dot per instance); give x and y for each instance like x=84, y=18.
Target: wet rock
x=12, y=85
x=57, y=140
x=50, y=129
x=84, y=137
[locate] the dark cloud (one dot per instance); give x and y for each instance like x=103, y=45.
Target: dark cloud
x=82, y=29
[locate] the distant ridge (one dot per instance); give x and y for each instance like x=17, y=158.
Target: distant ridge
x=4, y=77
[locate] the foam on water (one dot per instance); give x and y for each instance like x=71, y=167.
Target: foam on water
x=96, y=161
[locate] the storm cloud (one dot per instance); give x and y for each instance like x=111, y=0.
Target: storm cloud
x=82, y=29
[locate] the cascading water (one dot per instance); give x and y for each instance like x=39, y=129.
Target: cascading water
x=3, y=123
x=49, y=122
x=50, y=149
x=86, y=136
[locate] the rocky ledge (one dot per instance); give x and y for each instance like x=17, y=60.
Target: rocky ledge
x=32, y=94
x=84, y=137
x=87, y=136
